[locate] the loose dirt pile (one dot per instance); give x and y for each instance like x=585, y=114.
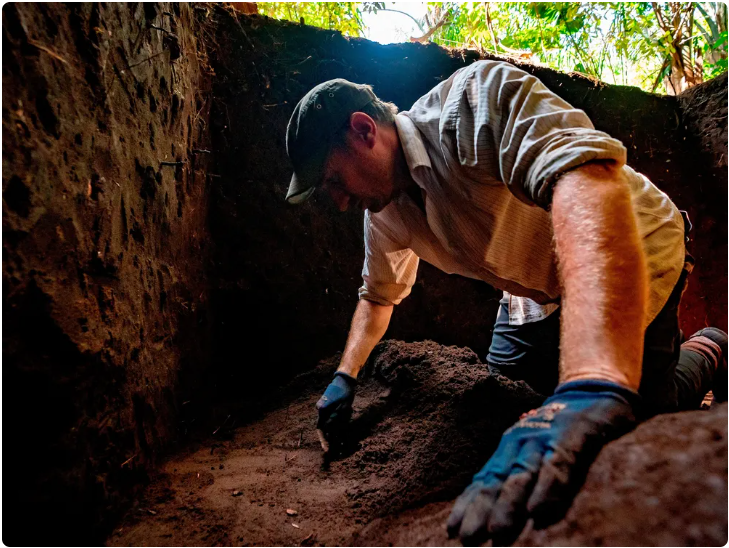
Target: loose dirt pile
x=665, y=484
x=426, y=418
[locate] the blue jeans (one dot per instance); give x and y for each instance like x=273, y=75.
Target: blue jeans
x=672, y=379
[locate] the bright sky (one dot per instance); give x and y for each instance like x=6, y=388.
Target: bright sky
x=387, y=27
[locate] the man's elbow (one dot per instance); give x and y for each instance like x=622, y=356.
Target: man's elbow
x=593, y=186
x=603, y=177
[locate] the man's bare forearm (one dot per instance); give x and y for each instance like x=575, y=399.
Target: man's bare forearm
x=603, y=274
x=369, y=324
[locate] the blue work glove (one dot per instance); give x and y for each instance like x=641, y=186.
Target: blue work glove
x=541, y=462
x=335, y=405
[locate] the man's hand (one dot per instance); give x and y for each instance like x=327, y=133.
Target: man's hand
x=369, y=324
x=335, y=405
x=541, y=462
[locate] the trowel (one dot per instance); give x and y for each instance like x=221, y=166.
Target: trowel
x=322, y=440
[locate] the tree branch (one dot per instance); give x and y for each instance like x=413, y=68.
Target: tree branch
x=490, y=25
x=495, y=38
x=426, y=37
x=660, y=75
x=659, y=16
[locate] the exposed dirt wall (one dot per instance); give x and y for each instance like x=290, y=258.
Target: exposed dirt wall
x=288, y=275
x=104, y=297
x=704, y=192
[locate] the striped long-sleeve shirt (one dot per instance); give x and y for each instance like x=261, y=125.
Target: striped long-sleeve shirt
x=486, y=147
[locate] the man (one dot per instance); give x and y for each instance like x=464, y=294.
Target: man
x=492, y=176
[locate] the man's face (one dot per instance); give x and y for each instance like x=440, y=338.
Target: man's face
x=361, y=173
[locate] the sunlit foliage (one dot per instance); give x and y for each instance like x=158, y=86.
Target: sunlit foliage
x=345, y=17
x=664, y=47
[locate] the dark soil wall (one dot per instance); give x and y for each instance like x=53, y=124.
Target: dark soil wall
x=104, y=295
x=704, y=118
x=288, y=275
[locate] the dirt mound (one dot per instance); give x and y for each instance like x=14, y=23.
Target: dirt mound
x=434, y=417
x=665, y=484
x=426, y=418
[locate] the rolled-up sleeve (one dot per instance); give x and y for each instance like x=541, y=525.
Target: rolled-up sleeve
x=389, y=269
x=507, y=120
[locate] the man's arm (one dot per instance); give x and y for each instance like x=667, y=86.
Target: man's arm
x=369, y=324
x=603, y=274
x=388, y=274
x=541, y=460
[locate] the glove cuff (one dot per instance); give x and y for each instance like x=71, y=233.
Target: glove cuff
x=349, y=379
x=594, y=386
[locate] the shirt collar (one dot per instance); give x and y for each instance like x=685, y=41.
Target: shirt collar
x=412, y=143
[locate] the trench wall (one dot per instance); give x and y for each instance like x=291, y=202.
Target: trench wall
x=106, y=321
x=287, y=276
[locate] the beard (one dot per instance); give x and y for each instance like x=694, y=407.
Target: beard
x=375, y=205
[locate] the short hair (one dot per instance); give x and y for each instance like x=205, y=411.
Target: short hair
x=380, y=111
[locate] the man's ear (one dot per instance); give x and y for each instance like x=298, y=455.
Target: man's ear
x=364, y=128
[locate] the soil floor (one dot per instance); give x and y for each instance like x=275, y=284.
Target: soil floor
x=426, y=418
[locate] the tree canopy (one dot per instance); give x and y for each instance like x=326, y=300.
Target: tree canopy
x=664, y=47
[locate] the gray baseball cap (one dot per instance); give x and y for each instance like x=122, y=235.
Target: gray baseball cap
x=315, y=121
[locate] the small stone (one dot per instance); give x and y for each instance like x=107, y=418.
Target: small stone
x=237, y=493
x=291, y=512
x=294, y=525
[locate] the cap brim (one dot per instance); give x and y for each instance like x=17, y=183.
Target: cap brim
x=298, y=192
x=307, y=177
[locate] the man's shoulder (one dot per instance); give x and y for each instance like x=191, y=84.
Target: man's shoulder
x=387, y=224
x=430, y=106
x=482, y=67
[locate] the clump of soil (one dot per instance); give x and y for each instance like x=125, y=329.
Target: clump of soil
x=436, y=414
x=426, y=418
